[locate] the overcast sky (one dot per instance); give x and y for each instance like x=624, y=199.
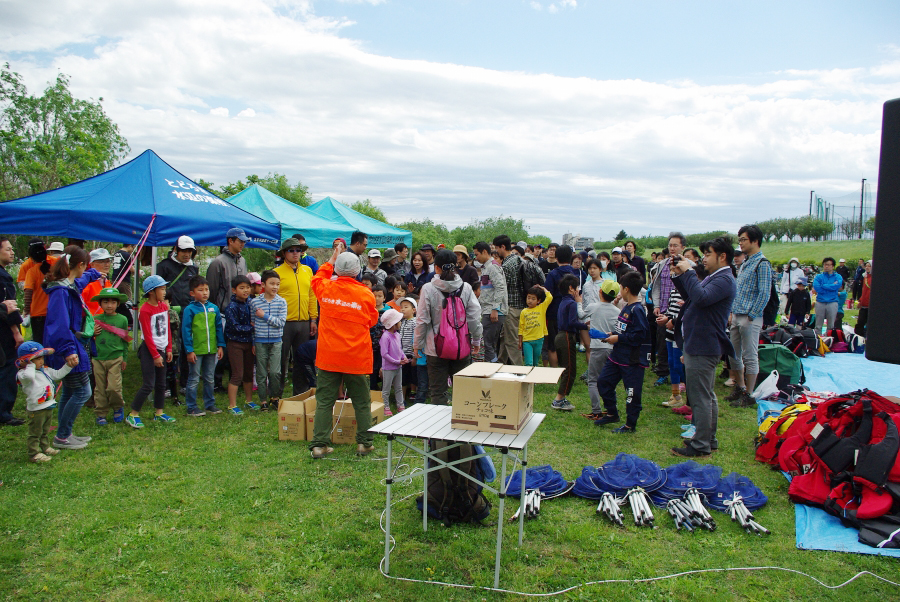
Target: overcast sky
x=582, y=116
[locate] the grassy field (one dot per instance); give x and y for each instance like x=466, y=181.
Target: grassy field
x=218, y=508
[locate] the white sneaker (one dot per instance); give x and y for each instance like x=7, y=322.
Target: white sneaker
x=39, y=457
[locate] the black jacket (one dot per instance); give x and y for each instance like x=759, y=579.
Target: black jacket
x=178, y=293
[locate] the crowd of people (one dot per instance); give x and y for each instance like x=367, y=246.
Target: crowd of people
x=400, y=323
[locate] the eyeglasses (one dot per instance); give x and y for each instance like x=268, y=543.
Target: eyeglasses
x=294, y=250
x=745, y=239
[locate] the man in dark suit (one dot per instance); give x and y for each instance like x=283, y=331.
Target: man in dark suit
x=701, y=334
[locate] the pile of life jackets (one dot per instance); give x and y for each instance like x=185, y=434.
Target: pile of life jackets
x=844, y=457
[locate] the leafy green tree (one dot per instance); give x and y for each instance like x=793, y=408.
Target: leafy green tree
x=208, y=185
x=275, y=183
x=538, y=239
x=621, y=235
x=870, y=224
x=52, y=140
x=367, y=207
x=425, y=231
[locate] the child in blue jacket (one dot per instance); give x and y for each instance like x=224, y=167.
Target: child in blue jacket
x=239, y=344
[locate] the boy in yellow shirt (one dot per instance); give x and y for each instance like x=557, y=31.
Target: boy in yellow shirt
x=533, y=324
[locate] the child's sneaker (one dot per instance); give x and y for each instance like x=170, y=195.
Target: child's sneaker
x=196, y=412
x=236, y=411
x=387, y=412
x=163, y=418
x=39, y=457
x=51, y=451
x=252, y=406
x=400, y=407
x=213, y=410
x=134, y=421
x=118, y=415
x=101, y=421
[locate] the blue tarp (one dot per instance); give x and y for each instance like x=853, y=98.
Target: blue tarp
x=117, y=206
x=380, y=234
x=317, y=230
x=846, y=372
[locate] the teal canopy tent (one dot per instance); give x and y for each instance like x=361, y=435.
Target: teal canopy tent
x=380, y=234
x=319, y=231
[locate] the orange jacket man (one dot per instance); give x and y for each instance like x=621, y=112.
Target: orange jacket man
x=344, y=352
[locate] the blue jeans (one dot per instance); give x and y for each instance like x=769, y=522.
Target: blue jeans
x=76, y=391
x=205, y=366
x=676, y=368
x=531, y=351
x=422, y=386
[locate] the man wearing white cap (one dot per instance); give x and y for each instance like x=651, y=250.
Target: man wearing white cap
x=372, y=266
x=842, y=269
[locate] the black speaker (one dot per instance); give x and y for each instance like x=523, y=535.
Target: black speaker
x=883, y=331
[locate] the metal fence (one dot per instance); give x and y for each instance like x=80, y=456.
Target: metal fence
x=850, y=213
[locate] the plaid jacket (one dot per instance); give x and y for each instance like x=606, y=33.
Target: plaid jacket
x=754, y=283
x=514, y=288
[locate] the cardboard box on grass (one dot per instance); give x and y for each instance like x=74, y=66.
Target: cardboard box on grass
x=292, y=416
x=496, y=398
x=343, y=419
x=348, y=411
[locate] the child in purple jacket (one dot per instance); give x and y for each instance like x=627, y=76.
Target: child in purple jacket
x=392, y=360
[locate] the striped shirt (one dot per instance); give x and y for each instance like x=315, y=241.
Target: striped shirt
x=407, y=329
x=270, y=328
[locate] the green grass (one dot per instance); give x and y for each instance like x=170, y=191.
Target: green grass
x=218, y=508
x=811, y=252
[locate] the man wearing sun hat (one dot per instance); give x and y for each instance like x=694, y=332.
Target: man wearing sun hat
x=302, y=311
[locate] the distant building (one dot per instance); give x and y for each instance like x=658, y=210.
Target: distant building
x=577, y=242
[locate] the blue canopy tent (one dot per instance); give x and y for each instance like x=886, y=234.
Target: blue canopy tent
x=317, y=230
x=380, y=234
x=118, y=205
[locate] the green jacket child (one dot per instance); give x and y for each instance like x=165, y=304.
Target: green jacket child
x=201, y=328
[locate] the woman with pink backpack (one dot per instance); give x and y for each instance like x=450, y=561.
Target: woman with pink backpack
x=448, y=325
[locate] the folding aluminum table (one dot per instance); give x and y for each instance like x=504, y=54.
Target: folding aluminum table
x=423, y=421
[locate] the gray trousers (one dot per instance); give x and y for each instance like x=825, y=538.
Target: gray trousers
x=509, y=350
x=595, y=366
x=700, y=379
x=744, y=335
x=491, y=336
x=392, y=379
x=825, y=311
x=268, y=370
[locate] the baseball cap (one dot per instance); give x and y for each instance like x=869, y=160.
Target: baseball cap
x=254, y=278
x=610, y=287
x=409, y=300
x=238, y=233
x=522, y=244
x=100, y=254
x=185, y=242
x=374, y=253
x=56, y=247
x=617, y=250
x=842, y=260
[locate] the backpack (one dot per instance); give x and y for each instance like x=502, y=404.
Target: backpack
x=797, y=345
x=530, y=275
x=781, y=358
x=771, y=309
x=452, y=341
x=452, y=498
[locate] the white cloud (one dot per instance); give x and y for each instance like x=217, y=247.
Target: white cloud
x=552, y=9
x=536, y=5
x=453, y=142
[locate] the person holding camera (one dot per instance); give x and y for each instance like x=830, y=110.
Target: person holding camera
x=701, y=334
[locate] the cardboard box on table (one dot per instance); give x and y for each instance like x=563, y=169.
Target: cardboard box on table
x=495, y=398
x=292, y=416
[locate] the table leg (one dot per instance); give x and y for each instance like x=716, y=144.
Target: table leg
x=387, y=509
x=522, y=494
x=500, y=518
x=425, y=490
